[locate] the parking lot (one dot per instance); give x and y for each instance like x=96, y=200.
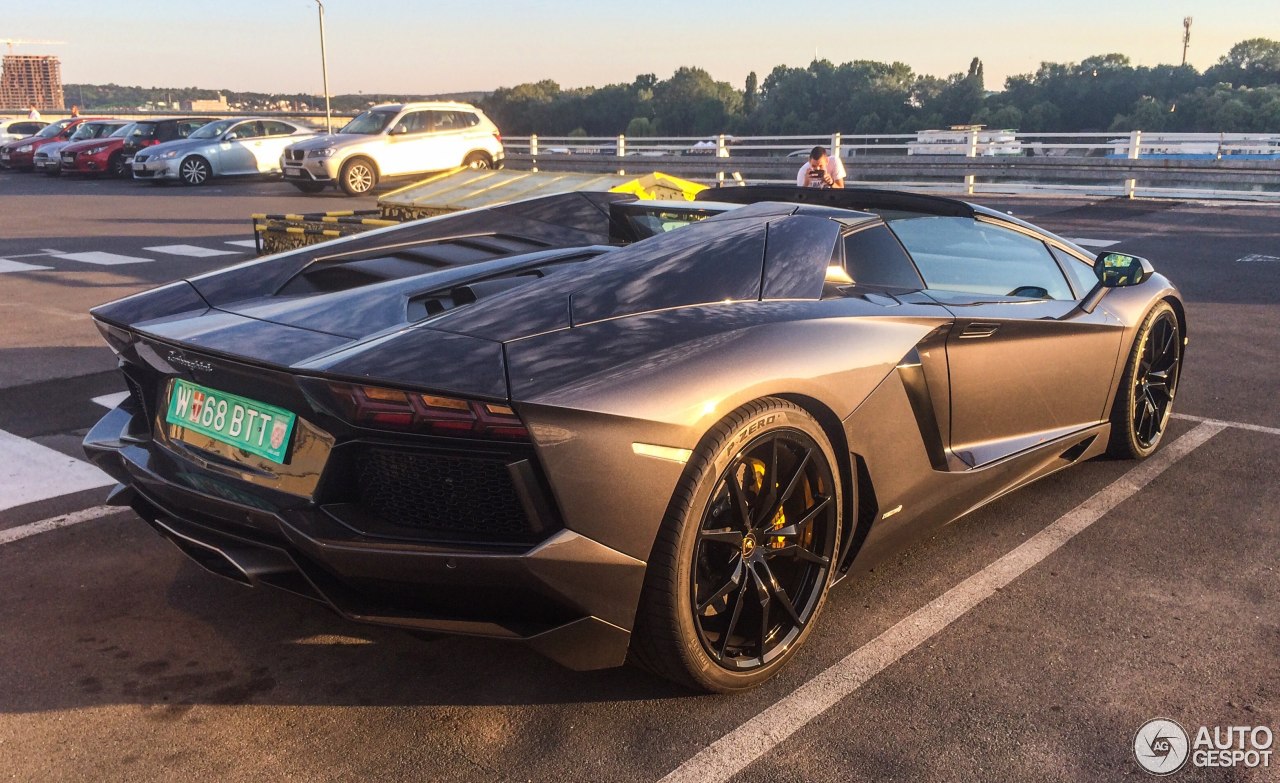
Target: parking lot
x=1028, y=641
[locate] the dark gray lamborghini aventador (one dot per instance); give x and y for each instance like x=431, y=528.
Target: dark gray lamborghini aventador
x=622, y=430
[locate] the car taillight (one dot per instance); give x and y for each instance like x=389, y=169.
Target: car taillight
x=433, y=414
x=497, y=136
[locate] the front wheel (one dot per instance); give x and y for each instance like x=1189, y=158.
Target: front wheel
x=195, y=171
x=116, y=167
x=744, y=557
x=358, y=177
x=1144, y=400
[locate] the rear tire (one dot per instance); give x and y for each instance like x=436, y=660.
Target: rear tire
x=1144, y=400
x=478, y=160
x=358, y=177
x=745, y=555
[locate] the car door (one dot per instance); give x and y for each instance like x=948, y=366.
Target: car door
x=408, y=143
x=268, y=149
x=237, y=150
x=1026, y=363
x=451, y=134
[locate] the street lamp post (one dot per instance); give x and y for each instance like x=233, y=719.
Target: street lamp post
x=324, y=69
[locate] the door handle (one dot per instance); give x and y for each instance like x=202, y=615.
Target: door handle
x=976, y=329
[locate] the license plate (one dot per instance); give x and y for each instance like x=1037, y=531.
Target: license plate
x=249, y=425
x=293, y=172
x=68, y=158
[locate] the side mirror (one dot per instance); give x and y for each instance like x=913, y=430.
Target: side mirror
x=1118, y=270
x=1115, y=270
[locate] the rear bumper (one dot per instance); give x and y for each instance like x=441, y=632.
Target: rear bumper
x=569, y=597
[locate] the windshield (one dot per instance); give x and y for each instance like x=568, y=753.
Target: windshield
x=213, y=130
x=51, y=130
x=90, y=130
x=369, y=123
x=124, y=130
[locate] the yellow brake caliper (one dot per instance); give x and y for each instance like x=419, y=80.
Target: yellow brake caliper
x=757, y=473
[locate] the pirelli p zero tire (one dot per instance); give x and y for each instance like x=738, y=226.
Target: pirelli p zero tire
x=746, y=552
x=1144, y=400
x=358, y=176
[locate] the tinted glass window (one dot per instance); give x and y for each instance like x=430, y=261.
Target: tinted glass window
x=143, y=130
x=968, y=256
x=453, y=120
x=1081, y=274
x=187, y=127
x=248, y=130
x=874, y=258
x=414, y=122
x=25, y=128
x=277, y=128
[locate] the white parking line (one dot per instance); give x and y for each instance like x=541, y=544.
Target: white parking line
x=103, y=259
x=249, y=243
x=110, y=401
x=31, y=472
x=7, y=265
x=1085, y=241
x=194, y=251
x=730, y=754
x=1240, y=425
x=66, y=520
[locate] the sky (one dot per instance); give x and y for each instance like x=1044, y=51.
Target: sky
x=427, y=47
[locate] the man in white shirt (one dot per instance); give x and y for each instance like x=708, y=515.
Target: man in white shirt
x=34, y=114
x=821, y=171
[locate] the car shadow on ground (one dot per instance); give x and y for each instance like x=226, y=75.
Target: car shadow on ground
x=162, y=632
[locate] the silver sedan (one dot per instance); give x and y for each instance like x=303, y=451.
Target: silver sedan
x=239, y=146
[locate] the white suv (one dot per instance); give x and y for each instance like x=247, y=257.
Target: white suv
x=393, y=140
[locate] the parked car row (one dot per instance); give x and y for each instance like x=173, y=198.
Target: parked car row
x=387, y=141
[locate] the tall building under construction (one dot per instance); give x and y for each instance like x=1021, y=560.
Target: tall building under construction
x=31, y=80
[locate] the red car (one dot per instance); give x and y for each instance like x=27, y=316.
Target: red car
x=97, y=156
x=21, y=154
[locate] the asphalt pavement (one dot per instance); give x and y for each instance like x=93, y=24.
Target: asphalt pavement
x=1028, y=641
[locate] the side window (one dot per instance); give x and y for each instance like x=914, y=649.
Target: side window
x=969, y=256
x=274, y=128
x=247, y=130
x=25, y=128
x=1082, y=275
x=184, y=129
x=414, y=122
x=874, y=258
x=454, y=120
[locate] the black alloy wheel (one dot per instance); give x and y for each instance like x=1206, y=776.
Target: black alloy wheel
x=742, y=562
x=1144, y=401
x=115, y=166
x=764, y=551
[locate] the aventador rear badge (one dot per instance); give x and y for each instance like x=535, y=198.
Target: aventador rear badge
x=1160, y=746
x=191, y=364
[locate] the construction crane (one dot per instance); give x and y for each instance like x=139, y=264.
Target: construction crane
x=12, y=42
x=1186, y=37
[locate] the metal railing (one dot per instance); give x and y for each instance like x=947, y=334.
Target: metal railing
x=1132, y=164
